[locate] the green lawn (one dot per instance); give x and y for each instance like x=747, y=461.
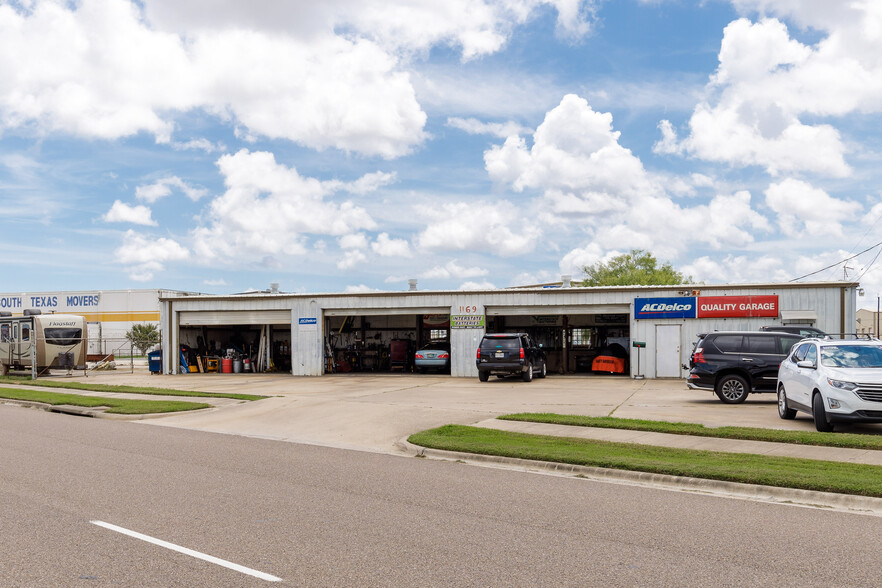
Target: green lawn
x=808, y=474
x=846, y=440
x=27, y=381
x=115, y=405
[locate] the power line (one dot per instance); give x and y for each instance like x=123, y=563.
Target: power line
x=841, y=261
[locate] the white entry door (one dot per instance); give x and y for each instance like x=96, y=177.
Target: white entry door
x=667, y=351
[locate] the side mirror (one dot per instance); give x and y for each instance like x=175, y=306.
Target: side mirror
x=805, y=364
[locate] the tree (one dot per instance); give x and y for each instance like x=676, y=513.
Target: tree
x=143, y=336
x=638, y=267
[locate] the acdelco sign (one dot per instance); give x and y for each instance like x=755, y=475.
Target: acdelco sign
x=650, y=308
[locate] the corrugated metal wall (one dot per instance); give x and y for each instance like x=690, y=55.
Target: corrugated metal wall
x=835, y=304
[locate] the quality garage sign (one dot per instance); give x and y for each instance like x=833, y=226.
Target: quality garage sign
x=737, y=306
x=706, y=307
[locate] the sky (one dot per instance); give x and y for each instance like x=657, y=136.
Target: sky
x=351, y=145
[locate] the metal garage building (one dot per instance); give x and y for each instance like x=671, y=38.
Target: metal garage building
x=313, y=334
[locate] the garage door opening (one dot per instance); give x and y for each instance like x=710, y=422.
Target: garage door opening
x=235, y=348
x=389, y=343
x=574, y=343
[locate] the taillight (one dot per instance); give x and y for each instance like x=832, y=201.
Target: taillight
x=698, y=356
x=479, y=353
x=522, y=353
x=419, y=356
x=444, y=356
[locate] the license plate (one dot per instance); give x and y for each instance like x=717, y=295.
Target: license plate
x=500, y=354
x=430, y=355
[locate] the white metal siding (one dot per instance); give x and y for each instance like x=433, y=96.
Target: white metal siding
x=235, y=317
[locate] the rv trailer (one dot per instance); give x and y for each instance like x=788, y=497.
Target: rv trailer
x=42, y=341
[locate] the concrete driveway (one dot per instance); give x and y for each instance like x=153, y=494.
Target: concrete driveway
x=372, y=412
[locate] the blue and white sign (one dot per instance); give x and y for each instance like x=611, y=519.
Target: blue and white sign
x=656, y=308
x=308, y=324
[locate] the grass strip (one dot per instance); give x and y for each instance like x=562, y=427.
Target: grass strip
x=847, y=440
x=825, y=476
x=27, y=381
x=115, y=405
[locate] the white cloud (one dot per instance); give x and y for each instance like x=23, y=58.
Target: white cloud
x=493, y=228
x=773, y=98
x=388, y=247
x=590, y=182
x=485, y=285
x=146, y=256
x=325, y=75
x=268, y=209
x=97, y=69
x=353, y=241
x=351, y=258
x=200, y=144
x=123, y=213
x=365, y=184
x=453, y=270
x=668, y=143
x=477, y=27
x=360, y=288
x=150, y=193
x=573, y=149
x=804, y=210
x=573, y=262
x=217, y=282
x=473, y=126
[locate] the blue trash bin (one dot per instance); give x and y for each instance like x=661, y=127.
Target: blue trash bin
x=154, y=361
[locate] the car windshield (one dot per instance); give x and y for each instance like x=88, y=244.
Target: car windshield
x=852, y=356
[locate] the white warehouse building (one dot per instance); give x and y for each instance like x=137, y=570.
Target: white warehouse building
x=315, y=334
x=109, y=313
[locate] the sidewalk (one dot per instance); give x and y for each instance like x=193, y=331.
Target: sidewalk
x=865, y=456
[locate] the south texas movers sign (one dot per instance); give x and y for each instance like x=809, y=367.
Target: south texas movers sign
x=737, y=306
x=706, y=307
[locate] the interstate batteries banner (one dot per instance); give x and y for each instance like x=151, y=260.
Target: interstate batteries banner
x=706, y=307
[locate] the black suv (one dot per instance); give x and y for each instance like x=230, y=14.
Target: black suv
x=510, y=353
x=736, y=363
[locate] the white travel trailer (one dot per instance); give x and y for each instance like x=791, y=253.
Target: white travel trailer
x=41, y=341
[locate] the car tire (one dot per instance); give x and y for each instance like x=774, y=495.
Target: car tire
x=528, y=375
x=544, y=371
x=732, y=389
x=820, y=414
x=784, y=411
x=483, y=376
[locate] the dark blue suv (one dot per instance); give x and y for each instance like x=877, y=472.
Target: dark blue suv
x=503, y=354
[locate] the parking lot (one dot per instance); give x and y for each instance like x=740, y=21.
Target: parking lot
x=371, y=413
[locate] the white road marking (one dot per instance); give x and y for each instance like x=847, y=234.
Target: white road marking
x=190, y=552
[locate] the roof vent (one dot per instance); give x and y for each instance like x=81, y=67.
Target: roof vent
x=412, y=285
x=32, y=311
x=274, y=287
x=566, y=280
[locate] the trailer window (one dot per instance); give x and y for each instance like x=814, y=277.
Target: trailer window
x=25, y=333
x=4, y=333
x=65, y=336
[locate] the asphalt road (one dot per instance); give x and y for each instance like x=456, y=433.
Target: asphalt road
x=320, y=516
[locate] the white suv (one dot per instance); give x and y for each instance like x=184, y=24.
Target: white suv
x=834, y=380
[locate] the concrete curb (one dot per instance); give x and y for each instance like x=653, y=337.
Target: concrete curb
x=791, y=496
x=91, y=412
